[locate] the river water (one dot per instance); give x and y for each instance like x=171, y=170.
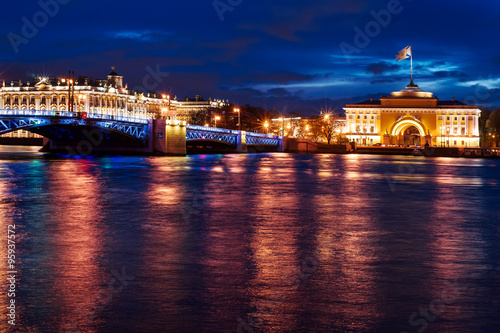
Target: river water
x=250, y=243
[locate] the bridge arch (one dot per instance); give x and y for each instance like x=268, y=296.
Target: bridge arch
x=63, y=128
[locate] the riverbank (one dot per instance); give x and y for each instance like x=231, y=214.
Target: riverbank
x=21, y=141
x=432, y=152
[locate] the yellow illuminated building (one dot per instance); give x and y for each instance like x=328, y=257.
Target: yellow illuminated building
x=413, y=117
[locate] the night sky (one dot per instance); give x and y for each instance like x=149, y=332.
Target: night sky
x=291, y=55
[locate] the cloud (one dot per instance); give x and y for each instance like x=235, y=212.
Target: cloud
x=381, y=67
x=461, y=76
x=286, y=20
x=278, y=92
x=140, y=35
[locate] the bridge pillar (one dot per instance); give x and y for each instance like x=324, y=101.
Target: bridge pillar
x=169, y=137
x=241, y=143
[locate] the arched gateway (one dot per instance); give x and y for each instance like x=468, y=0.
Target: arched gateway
x=409, y=131
x=413, y=117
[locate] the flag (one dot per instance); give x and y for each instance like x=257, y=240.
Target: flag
x=404, y=53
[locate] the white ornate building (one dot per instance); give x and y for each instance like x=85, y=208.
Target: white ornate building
x=91, y=97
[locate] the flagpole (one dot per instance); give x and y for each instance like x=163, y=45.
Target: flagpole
x=411, y=64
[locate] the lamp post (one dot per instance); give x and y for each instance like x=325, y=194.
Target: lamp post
x=216, y=118
x=71, y=90
x=266, y=125
x=167, y=97
x=239, y=118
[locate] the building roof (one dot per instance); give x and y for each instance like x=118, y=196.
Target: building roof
x=411, y=91
x=410, y=96
x=452, y=102
x=113, y=73
x=369, y=102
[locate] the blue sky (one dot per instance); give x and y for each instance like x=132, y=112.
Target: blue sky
x=281, y=54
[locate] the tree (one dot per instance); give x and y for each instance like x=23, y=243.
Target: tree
x=327, y=127
x=494, y=125
x=483, y=125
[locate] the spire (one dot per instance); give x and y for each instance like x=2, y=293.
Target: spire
x=412, y=84
x=113, y=73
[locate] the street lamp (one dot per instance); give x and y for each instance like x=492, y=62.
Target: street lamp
x=266, y=125
x=239, y=118
x=216, y=118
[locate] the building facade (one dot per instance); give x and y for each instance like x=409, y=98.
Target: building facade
x=90, y=97
x=412, y=117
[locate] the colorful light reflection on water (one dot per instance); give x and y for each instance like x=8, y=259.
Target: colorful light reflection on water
x=262, y=243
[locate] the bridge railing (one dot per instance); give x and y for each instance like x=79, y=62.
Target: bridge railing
x=210, y=129
x=51, y=113
x=117, y=118
x=262, y=135
x=48, y=113
x=235, y=132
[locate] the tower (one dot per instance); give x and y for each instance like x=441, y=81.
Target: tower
x=114, y=79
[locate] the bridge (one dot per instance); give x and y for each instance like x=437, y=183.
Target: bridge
x=85, y=133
